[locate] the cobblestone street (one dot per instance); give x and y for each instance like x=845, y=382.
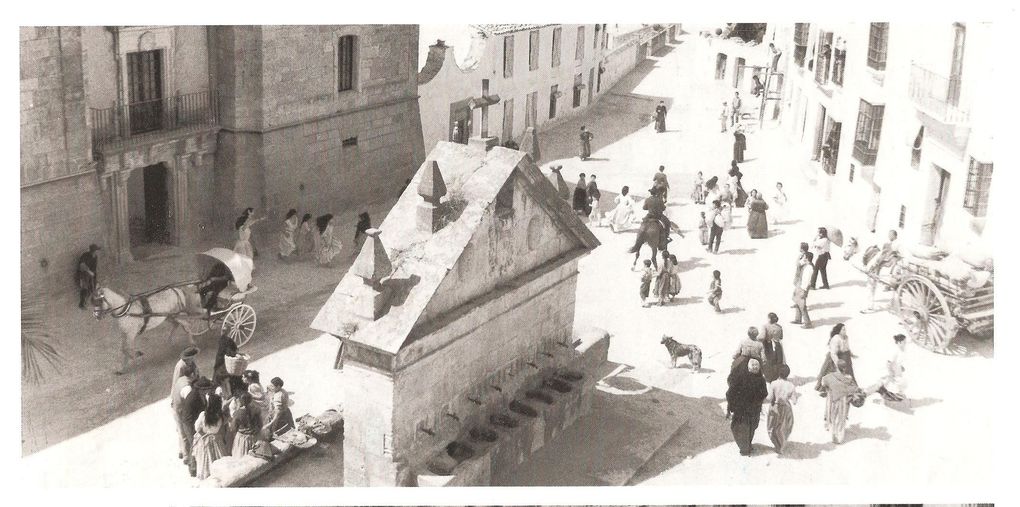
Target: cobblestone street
x=76, y=424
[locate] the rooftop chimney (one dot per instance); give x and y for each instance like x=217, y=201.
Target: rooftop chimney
x=372, y=265
x=431, y=188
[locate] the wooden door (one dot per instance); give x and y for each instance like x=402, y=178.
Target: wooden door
x=145, y=90
x=591, y=84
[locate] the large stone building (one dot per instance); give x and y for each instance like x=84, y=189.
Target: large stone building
x=460, y=353
x=898, y=120
x=136, y=137
x=533, y=75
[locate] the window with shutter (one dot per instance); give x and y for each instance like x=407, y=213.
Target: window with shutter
x=533, y=50
x=878, y=45
x=800, y=42
x=979, y=183
x=508, y=56
x=579, y=53
x=557, y=46
x=345, y=63
x=868, y=132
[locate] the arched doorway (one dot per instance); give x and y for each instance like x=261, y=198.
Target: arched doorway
x=149, y=206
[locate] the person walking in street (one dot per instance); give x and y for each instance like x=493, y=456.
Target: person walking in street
x=305, y=236
x=87, y=274
x=287, y=243
x=623, y=214
x=774, y=356
x=892, y=385
x=801, y=286
x=329, y=240
x=647, y=275
x=735, y=109
x=186, y=376
x=838, y=350
x=660, y=182
x=243, y=224
x=660, y=117
x=674, y=277
x=736, y=183
x=280, y=417
x=364, y=224
x=779, y=200
x=580, y=204
x=593, y=200
x=715, y=291
x=207, y=428
x=221, y=377
x=662, y=279
x=772, y=331
x=782, y=395
x=724, y=117
x=698, y=193
x=703, y=230
x=757, y=221
x=841, y=388
x=744, y=399
x=586, y=138
x=739, y=143
x=717, y=221
x=195, y=402
x=821, y=247
x=750, y=348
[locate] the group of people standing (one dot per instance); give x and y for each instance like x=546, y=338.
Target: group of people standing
x=586, y=197
x=233, y=416
x=817, y=261
x=301, y=238
x=722, y=199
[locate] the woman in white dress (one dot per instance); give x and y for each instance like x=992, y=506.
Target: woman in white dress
x=243, y=225
x=287, y=245
x=623, y=214
x=207, y=447
x=329, y=240
x=892, y=384
x=778, y=208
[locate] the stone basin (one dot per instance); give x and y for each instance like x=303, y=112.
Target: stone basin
x=523, y=409
x=441, y=465
x=558, y=385
x=483, y=435
x=503, y=420
x=539, y=395
x=459, y=451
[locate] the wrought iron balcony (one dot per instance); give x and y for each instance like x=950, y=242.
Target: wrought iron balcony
x=118, y=125
x=938, y=96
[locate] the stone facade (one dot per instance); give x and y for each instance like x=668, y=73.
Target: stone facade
x=476, y=313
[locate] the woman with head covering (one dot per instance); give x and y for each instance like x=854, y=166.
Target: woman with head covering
x=674, y=277
x=757, y=221
x=329, y=240
x=287, y=244
x=246, y=423
x=735, y=177
x=841, y=388
x=662, y=279
x=305, y=236
x=781, y=398
x=581, y=197
x=744, y=399
x=749, y=348
x=207, y=447
x=839, y=350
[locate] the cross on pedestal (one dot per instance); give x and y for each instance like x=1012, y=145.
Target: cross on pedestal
x=483, y=103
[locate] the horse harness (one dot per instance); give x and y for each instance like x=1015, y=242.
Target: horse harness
x=147, y=313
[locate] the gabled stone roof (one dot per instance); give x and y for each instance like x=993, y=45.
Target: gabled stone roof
x=420, y=260
x=505, y=28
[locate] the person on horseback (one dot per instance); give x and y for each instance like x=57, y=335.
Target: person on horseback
x=656, y=208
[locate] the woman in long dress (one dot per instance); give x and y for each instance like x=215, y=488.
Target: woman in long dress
x=287, y=244
x=703, y=230
x=757, y=221
x=243, y=244
x=839, y=350
x=623, y=214
x=781, y=398
x=744, y=403
x=840, y=385
x=207, y=447
x=305, y=235
x=329, y=241
x=739, y=144
x=735, y=177
x=711, y=191
x=674, y=277
x=581, y=197
x=249, y=220
x=246, y=424
x=892, y=384
x=779, y=201
x=662, y=279
x=775, y=357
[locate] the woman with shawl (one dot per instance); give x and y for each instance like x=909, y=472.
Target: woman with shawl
x=775, y=358
x=740, y=196
x=305, y=236
x=744, y=399
x=662, y=279
x=581, y=197
x=781, y=398
x=329, y=241
x=839, y=350
x=757, y=222
x=841, y=387
x=674, y=277
x=287, y=244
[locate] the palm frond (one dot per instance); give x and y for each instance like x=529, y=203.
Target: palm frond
x=38, y=346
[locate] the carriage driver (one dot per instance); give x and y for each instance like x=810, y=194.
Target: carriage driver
x=210, y=288
x=656, y=209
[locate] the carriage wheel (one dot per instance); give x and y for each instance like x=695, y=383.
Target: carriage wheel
x=239, y=324
x=925, y=311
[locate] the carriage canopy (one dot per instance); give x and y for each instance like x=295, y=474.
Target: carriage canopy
x=240, y=266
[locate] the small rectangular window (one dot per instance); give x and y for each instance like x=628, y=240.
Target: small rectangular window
x=533, y=50
x=579, y=53
x=508, y=56
x=345, y=63
x=350, y=141
x=595, y=39
x=557, y=44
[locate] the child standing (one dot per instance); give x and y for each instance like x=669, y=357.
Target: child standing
x=647, y=275
x=703, y=228
x=715, y=291
x=698, y=194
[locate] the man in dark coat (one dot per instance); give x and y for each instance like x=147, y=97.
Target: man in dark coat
x=87, y=274
x=747, y=391
x=196, y=399
x=593, y=194
x=660, y=182
x=660, y=117
x=739, y=144
x=586, y=138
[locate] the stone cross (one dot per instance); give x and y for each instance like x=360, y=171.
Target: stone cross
x=484, y=102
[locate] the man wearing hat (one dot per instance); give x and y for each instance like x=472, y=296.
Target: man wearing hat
x=187, y=358
x=184, y=435
x=87, y=273
x=196, y=399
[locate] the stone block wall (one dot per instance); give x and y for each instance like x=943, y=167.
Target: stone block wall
x=368, y=412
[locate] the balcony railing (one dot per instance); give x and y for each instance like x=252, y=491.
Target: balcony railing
x=938, y=96
x=116, y=125
x=865, y=155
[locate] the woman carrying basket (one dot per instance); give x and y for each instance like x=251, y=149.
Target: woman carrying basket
x=222, y=374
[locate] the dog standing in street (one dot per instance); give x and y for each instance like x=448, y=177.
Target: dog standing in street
x=678, y=350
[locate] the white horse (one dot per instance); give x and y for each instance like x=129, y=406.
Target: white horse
x=137, y=314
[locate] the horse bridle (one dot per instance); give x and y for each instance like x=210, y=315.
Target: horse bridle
x=98, y=311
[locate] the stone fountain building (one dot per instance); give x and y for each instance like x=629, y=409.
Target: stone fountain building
x=460, y=352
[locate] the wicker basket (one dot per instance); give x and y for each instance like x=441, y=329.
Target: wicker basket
x=236, y=364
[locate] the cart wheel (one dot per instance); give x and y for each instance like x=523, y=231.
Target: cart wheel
x=925, y=311
x=239, y=324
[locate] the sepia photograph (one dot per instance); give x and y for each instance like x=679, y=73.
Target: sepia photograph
x=450, y=254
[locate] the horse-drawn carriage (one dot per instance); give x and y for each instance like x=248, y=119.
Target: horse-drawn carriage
x=933, y=306
x=215, y=300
